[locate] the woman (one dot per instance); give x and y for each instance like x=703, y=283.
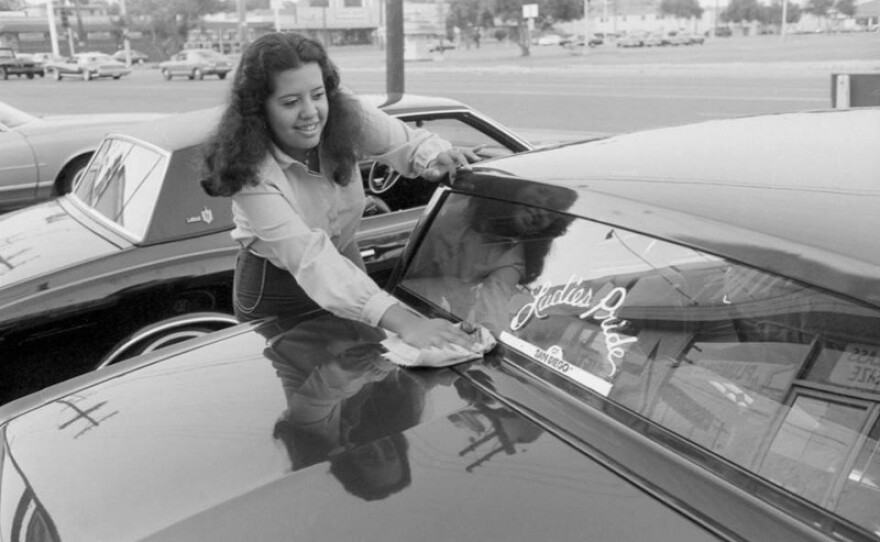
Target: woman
x=286, y=151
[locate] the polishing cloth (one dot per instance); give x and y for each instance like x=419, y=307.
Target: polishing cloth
x=406, y=355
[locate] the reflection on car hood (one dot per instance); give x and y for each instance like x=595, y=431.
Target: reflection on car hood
x=311, y=436
x=38, y=240
x=51, y=124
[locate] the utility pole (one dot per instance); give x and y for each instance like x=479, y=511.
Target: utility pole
x=588, y=26
x=242, y=25
x=125, y=42
x=66, y=23
x=394, y=84
x=782, y=28
x=53, y=32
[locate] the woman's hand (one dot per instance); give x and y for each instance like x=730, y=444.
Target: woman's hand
x=448, y=161
x=421, y=332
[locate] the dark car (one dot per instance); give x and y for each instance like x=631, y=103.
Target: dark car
x=13, y=64
x=138, y=256
x=687, y=351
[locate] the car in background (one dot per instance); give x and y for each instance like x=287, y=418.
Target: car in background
x=694, y=38
x=631, y=40
x=196, y=64
x=47, y=58
x=41, y=155
x=11, y=63
x=137, y=57
x=549, y=38
x=89, y=66
x=686, y=343
x=656, y=39
x=138, y=256
x=572, y=41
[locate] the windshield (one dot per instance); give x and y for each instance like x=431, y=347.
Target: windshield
x=122, y=183
x=772, y=375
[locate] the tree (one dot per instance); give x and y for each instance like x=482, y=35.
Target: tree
x=739, y=11
x=682, y=9
x=10, y=5
x=169, y=22
x=773, y=13
x=819, y=8
x=846, y=7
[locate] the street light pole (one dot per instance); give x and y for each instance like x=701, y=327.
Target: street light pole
x=782, y=28
x=53, y=32
x=125, y=42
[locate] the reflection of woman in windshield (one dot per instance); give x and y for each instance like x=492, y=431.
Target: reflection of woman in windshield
x=346, y=404
x=480, y=252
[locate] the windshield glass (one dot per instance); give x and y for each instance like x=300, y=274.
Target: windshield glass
x=122, y=183
x=778, y=378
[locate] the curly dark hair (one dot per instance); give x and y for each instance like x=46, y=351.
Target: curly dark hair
x=239, y=144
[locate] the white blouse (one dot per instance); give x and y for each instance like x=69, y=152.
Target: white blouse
x=302, y=221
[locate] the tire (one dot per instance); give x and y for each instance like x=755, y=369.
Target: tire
x=197, y=74
x=166, y=333
x=30, y=76
x=166, y=73
x=222, y=75
x=57, y=74
x=117, y=77
x=87, y=75
x=4, y=73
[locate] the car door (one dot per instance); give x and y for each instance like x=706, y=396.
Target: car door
x=18, y=171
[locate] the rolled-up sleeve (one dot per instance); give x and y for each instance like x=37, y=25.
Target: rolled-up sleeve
x=392, y=142
x=333, y=281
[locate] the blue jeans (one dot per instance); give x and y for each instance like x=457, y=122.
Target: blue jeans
x=261, y=289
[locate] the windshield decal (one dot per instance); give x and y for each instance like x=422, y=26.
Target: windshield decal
x=552, y=358
x=574, y=295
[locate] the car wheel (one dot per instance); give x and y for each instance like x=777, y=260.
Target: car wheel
x=117, y=76
x=87, y=75
x=57, y=74
x=4, y=73
x=65, y=179
x=222, y=75
x=30, y=76
x=166, y=333
x=166, y=73
x=197, y=73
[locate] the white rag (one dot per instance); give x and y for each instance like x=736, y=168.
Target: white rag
x=406, y=355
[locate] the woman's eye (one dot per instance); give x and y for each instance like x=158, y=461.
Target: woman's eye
x=290, y=103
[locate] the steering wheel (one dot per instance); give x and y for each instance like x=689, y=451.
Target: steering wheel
x=381, y=178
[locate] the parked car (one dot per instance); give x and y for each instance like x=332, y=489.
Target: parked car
x=88, y=66
x=694, y=38
x=47, y=58
x=137, y=57
x=40, y=156
x=108, y=279
x=13, y=64
x=689, y=354
x=578, y=41
x=196, y=64
x=550, y=38
x=656, y=39
x=631, y=40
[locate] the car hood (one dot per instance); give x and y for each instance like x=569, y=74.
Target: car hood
x=310, y=436
x=51, y=124
x=37, y=241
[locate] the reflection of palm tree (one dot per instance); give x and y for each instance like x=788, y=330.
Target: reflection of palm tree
x=346, y=404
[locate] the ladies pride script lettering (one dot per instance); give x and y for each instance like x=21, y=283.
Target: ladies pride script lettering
x=575, y=295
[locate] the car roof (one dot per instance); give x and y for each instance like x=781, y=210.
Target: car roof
x=793, y=193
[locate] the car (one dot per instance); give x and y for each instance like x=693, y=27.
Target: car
x=688, y=351
x=47, y=58
x=572, y=41
x=694, y=38
x=631, y=40
x=547, y=39
x=11, y=63
x=41, y=155
x=137, y=57
x=109, y=280
x=196, y=64
x=656, y=39
x=88, y=66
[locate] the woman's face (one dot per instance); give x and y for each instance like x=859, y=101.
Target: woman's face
x=297, y=109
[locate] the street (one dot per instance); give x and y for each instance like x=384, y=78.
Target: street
x=606, y=90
